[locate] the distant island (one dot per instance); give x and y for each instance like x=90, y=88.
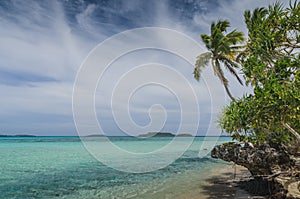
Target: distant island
x=18, y=135
x=164, y=134
x=94, y=135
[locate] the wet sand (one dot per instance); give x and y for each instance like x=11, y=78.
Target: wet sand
x=224, y=185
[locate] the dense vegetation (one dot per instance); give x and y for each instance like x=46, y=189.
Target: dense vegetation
x=270, y=63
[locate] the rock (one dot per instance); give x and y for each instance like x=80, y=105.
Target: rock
x=260, y=161
x=293, y=190
x=270, y=164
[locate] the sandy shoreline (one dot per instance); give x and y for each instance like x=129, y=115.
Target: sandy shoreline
x=217, y=183
x=220, y=184
x=223, y=185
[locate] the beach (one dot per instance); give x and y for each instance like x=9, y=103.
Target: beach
x=219, y=183
x=225, y=185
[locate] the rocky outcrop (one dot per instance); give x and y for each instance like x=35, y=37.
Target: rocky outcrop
x=260, y=161
x=272, y=165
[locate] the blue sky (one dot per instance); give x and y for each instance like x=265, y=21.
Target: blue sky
x=43, y=44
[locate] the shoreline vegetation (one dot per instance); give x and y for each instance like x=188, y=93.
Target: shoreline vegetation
x=266, y=123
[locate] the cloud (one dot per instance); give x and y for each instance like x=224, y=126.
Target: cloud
x=39, y=56
x=43, y=44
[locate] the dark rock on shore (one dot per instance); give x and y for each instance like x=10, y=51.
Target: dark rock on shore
x=274, y=169
x=260, y=161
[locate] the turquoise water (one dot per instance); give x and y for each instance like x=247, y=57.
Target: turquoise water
x=61, y=167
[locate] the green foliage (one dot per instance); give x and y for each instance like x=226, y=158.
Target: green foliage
x=222, y=50
x=270, y=63
x=273, y=33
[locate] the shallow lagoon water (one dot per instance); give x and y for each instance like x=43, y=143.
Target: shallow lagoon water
x=61, y=167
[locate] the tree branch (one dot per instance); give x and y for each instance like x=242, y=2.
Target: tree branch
x=293, y=131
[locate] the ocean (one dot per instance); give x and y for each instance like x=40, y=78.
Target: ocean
x=61, y=167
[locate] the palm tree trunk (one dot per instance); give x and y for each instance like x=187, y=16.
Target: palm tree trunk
x=220, y=74
x=228, y=92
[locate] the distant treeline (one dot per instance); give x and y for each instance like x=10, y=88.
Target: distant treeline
x=21, y=135
x=163, y=134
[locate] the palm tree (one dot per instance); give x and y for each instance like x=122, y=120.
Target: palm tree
x=222, y=49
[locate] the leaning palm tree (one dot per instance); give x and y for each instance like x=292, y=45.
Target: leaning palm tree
x=222, y=50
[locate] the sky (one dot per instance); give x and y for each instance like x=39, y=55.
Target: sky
x=45, y=43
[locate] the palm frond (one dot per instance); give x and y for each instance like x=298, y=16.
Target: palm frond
x=235, y=37
x=230, y=65
x=229, y=59
x=206, y=40
x=238, y=47
x=223, y=25
x=203, y=59
x=201, y=62
x=255, y=18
